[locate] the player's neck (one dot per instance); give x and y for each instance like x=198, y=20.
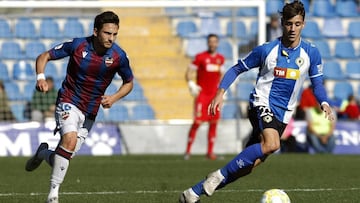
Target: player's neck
x=212, y=52
x=99, y=49
x=290, y=44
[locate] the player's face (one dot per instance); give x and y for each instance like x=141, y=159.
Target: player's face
x=106, y=35
x=213, y=43
x=292, y=30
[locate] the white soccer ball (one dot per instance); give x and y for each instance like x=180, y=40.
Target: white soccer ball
x=275, y=196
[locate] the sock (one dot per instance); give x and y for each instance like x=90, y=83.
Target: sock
x=211, y=137
x=48, y=156
x=244, y=160
x=61, y=164
x=192, y=135
x=198, y=188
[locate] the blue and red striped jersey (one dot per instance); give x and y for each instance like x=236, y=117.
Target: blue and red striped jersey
x=89, y=74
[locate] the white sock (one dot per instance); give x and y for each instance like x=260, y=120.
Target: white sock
x=60, y=167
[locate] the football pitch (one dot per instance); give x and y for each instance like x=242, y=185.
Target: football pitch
x=161, y=178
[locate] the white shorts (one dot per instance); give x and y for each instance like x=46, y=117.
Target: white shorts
x=70, y=119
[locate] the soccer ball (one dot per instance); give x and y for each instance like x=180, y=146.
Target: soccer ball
x=275, y=196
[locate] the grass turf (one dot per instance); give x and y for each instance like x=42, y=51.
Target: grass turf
x=160, y=179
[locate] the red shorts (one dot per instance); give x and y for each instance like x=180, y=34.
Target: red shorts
x=201, y=108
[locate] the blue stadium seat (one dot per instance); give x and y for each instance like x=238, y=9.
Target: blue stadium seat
x=5, y=31
x=346, y=8
x=11, y=50
x=230, y=111
x=354, y=29
x=342, y=90
x=29, y=88
x=210, y=25
x=252, y=11
x=118, y=113
x=195, y=45
x=225, y=48
x=142, y=112
x=323, y=8
x=4, y=72
x=323, y=48
x=49, y=28
x=176, y=11
x=73, y=28
x=135, y=95
x=25, y=28
x=332, y=70
x=273, y=6
x=23, y=70
x=311, y=30
x=18, y=111
x=333, y=28
x=344, y=49
x=243, y=90
x=91, y=28
x=111, y=89
x=239, y=27
x=51, y=70
x=33, y=49
x=13, y=91
x=254, y=29
x=101, y=117
x=186, y=28
x=352, y=70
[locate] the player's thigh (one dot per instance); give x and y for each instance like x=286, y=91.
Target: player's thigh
x=69, y=119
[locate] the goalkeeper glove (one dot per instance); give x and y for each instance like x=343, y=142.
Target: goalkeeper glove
x=194, y=88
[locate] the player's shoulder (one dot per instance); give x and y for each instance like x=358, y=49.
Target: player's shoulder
x=116, y=48
x=309, y=47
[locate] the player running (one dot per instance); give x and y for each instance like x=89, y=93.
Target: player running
x=93, y=62
x=208, y=66
x=283, y=65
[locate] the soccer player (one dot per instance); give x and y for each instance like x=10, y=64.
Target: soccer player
x=93, y=62
x=208, y=66
x=283, y=65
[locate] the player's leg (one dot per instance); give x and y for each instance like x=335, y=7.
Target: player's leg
x=198, y=109
x=211, y=139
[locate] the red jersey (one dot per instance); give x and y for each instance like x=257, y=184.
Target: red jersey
x=209, y=68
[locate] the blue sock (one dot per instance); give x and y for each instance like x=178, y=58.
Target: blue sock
x=243, y=160
x=198, y=188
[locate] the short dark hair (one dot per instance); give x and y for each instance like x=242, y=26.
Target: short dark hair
x=212, y=35
x=292, y=9
x=105, y=17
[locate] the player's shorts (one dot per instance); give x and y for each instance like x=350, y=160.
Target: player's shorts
x=201, y=108
x=70, y=119
x=261, y=117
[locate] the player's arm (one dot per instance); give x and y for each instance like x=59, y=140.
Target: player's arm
x=108, y=100
x=190, y=74
x=41, y=61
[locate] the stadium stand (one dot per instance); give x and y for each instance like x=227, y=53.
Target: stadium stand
x=186, y=28
x=324, y=48
x=73, y=28
x=323, y=8
x=230, y=110
x=225, y=48
x=13, y=91
x=23, y=70
x=18, y=111
x=342, y=90
x=33, y=49
x=333, y=28
x=344, y=49
x=353, y=70
x=243, y=90
x=5, y=31
x=4, y=72
x=239, y=31
x=49, y=28
x=118, y=113
x=11, y=50
x=311, y=30
x=142, y=112
x=347, y=8
x=354, y=29
x=273, y=6
x=25, y=28
x=332, y=70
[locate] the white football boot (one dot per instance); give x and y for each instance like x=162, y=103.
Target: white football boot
x=189, y=196
x=212, y=181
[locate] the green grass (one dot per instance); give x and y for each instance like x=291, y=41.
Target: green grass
x=160, y=179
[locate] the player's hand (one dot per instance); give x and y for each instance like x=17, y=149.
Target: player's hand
x=194, y=88
x=107, y=101
x=42, y=86
x=329, y=114
x=216, y=104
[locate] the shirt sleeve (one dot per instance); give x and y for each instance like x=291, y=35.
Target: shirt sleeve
x=62, y=50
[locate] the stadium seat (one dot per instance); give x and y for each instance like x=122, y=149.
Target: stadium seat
x=186, y=28
x=29, y=88
x=18, y=111
x=100, y=117
x=33, y=49
x=73, y=28
x=332, y=70
x=323, y=8
x=346, y=8
x=11, y=50
x=311, y=30
x=344, y=49
x=354, y=29
x=353, y=70
x=111, y=89
x=5, y=31
x=273, y=6
x=13, y=91
x=230, y=111
x=210, y=25
x=333, y=28
x=225, y=48
x=142, y=112
x=195, y=45
x=243, y=90
x=23, y=70
x=25, y=28
x=4, y=72
x=118, y=113
x=254, y=29
x=252, y=11
x=135, y=95
x=49, y=28
x=51, y=70
x=176, y=11
x=324, y=49
x=239, y=28
x=342, y=90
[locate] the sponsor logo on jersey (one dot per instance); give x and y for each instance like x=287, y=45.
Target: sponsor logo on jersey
x=109, y=61
x=84, y=54
x=287, y=73
x=212, y=67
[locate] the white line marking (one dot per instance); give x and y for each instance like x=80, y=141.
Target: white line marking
x=174, y=191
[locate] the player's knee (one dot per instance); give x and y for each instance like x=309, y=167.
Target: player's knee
x=69, y=140
x=270, y=147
